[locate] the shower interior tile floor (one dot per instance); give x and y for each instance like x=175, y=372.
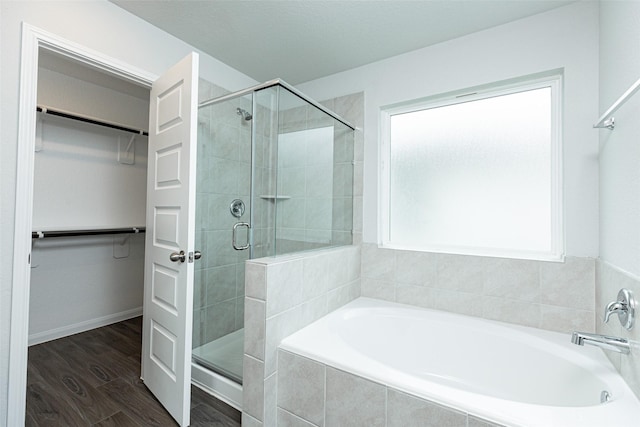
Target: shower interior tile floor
x=93, y=379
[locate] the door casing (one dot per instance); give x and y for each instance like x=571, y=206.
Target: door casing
x=34, y=39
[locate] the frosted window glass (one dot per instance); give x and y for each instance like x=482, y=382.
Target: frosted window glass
x=475, y=174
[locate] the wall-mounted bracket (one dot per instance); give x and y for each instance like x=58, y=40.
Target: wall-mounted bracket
x=127, y=153
x=39, y=144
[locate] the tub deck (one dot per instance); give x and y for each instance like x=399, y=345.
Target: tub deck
x=506, y=374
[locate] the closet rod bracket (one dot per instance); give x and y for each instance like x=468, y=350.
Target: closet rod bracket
x=610, y=123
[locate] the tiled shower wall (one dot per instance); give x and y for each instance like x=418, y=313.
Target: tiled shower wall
x=609, y=280
x=557, y=296
x=316, y=176
x=224, y=165
x=286, y=293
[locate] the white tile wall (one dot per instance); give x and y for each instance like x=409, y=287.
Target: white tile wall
x=287, y=419
x=315, y=213
x=404, y=410
x=253, y=391
x=558, y=296
x=303, y=381
x=351, y=400
x=283, y=295
x=313, y=394
x=610, y=280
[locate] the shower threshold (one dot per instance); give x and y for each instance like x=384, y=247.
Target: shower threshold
x=223, y=355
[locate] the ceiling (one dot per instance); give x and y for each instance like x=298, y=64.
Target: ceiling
x=302, y=40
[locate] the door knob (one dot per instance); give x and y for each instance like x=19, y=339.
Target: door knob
x=177, y=257
x=197, y=254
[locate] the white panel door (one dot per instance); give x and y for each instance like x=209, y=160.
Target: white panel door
x=169, y=246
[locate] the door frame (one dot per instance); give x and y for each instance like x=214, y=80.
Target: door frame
x=33, y=39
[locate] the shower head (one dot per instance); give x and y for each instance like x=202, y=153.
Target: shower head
x=244, y=113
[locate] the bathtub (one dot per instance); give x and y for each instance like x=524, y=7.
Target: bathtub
x=502, y=373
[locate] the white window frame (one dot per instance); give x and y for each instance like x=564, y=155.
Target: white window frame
x=554, y=82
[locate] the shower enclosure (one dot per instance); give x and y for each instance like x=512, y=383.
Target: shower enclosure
x=274, y=176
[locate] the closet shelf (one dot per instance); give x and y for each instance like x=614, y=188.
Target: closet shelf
x=94, y=232
x=85, y=119
x=607, y=120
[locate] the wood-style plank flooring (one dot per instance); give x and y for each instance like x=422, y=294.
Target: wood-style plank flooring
x=93, y=379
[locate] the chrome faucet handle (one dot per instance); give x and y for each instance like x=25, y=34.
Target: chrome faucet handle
x=614, y=307
x=624, y=308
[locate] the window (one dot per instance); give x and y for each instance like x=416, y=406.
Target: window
x=476, y=174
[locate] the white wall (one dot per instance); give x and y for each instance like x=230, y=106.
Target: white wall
x=80, y=283
x=98, y=25
x=77, y=94
x=564, y=38
x=79, y=182
x=619, y=263
x=620, y=148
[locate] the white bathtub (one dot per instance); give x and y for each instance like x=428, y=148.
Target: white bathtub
x=507, y=374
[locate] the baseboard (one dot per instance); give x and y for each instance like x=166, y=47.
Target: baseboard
x=87, y=325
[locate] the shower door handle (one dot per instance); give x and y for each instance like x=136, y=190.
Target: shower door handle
x=235, y=231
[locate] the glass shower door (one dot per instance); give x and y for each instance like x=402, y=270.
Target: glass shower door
x=275, y=176
x=223, y=200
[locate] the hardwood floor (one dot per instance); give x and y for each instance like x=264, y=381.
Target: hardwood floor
x=93, y=379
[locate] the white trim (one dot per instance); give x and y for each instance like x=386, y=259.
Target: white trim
x=558, y=237
x=553, y=81
x=33, y=39
x=89, y=57
x=87, y=325
x=384, y=177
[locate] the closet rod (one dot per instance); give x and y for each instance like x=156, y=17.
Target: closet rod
x=71, y=233
x=71, y=116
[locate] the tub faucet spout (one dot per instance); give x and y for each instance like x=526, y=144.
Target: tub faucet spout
x=619, y=345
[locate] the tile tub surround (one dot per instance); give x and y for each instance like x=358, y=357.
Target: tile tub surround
x=610, y=279
x=312, y=394
x=285, y=294
x=557, y=296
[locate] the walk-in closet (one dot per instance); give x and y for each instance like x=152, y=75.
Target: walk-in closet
x=89, y=201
